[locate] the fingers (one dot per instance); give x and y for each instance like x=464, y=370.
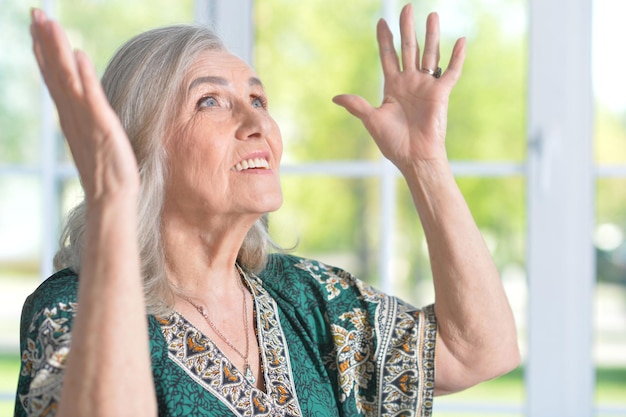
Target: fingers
x=36, y=46
x=410, y=49
x=66, y=72
x=92, y=89
x=356, y=105
x=455, y=67
x=430, y=59
x=386, y=50
x=54, y=55
x=409, y=46
x=70, y=77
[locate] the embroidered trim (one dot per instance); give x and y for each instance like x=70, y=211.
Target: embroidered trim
x=428, y=350
x=201, y=359
x=408, y=370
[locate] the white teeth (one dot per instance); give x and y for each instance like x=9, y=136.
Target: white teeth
x=251, y=163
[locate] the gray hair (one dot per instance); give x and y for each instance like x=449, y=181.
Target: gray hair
x=143, y=83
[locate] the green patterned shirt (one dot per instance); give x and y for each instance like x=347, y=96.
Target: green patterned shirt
x=330, y=346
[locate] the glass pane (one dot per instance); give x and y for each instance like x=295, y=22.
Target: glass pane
x=19, y=84
x=608, y=81
x=610, y=148
x=305, y=55
x=71, y=194
x=610, y=295
x=334, y=220
x=20, y=225
x=20, y=240
x=300, y=54
x=100, y=27
x=498, y=206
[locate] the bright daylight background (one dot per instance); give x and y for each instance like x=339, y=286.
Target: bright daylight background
x=306, y=52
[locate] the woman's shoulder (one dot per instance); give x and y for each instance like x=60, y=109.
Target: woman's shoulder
x=61, y=286
x=282, y=266
x=62, y=281
x=294, y=276
x=60, y=290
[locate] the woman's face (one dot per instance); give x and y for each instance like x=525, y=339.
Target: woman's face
x=225, y=148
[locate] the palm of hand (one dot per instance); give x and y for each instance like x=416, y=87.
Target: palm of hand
x=410, y=124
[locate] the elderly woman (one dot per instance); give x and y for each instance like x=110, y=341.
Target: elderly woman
x=167, y=301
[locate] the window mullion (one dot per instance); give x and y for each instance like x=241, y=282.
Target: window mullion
x=232, y=20
x=560, y=374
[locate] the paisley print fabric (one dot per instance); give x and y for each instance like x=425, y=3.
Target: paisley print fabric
x=330, y=346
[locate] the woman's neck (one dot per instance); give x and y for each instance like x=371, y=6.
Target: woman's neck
x=201, y=260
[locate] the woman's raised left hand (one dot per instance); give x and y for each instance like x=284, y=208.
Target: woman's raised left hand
x=410, y=124
x=100, y=147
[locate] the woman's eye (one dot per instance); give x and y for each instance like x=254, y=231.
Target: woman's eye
x=207, y=102
x=259, y=102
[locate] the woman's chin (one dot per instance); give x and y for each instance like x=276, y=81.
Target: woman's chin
x=273, y=205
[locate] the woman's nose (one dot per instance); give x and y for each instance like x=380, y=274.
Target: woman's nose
x=253, y=122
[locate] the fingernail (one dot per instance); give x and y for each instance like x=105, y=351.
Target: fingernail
x=36, y=15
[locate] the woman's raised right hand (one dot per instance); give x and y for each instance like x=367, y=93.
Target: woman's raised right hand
x=100, y=147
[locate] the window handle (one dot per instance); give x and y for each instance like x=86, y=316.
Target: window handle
x=544, y=147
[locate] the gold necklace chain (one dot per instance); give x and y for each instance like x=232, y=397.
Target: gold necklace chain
x=249, y=375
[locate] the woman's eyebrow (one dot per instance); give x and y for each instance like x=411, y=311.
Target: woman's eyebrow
x=252, y=81
x=255, y=81
x=207, y=80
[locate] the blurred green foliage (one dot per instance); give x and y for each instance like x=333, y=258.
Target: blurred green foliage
x=19, y=86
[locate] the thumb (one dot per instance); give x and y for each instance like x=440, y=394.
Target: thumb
x=356, y=105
